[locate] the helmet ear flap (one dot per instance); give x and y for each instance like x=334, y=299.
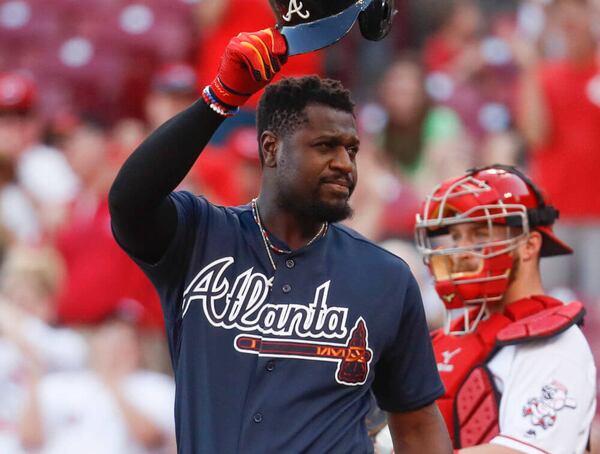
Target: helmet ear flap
x=376, y=21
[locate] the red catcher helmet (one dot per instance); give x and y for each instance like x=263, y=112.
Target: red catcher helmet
x=497, y=195
x=17, y=92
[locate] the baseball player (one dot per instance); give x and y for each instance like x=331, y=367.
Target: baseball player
x=518, y=372
x=280, y=321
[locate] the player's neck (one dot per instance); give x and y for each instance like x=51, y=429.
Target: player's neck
x=284, y=225
x=526, y=283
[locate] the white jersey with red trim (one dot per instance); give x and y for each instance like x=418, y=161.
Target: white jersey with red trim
x=548, y=390
x=548, y=395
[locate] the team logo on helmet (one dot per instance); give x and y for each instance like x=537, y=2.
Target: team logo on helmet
x=295, y=7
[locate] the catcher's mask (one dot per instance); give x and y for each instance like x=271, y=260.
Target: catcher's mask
x=468, y=230
x=308, y=25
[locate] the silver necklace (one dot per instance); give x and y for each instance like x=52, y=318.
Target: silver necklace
x=269, y=246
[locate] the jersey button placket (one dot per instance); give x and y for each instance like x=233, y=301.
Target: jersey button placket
x=270, y=366
x=289, y=263
x=286, y=288
x=257, y=418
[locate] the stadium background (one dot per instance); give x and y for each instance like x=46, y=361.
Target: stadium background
x=457, y=84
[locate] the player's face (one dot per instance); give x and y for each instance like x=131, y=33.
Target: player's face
x=316, y=169
x=476, y=236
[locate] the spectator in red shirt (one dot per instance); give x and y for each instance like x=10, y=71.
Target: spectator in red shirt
x=559, y=115
x=99, y=276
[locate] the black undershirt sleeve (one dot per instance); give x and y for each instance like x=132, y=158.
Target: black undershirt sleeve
x=143, y=218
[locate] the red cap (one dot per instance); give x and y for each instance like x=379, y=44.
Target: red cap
x=177, y=78
x=17, y=92
x=243, y=143
x=552, y=245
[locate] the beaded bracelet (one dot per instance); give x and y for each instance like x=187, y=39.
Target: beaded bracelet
x=215, y=105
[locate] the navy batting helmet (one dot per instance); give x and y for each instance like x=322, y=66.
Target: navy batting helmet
x=313, y=24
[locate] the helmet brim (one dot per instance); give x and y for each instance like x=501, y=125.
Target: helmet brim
x=311, y=36
x=551, y=244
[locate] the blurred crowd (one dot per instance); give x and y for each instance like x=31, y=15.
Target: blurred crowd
x=457, y=84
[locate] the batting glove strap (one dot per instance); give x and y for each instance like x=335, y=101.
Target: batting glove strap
x=250, y=62
x=229, y=97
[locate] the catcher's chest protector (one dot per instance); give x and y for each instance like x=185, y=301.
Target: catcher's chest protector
x=471, y=403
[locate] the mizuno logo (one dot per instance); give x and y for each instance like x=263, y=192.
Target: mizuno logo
x=449, y=297
x=448, y=355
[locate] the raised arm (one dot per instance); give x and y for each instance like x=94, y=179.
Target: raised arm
x=143, y=218
x=532, y=113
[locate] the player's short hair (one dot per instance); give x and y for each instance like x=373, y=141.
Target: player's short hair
x=281, y=107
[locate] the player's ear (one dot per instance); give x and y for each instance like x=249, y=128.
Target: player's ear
x=269, y=143
x=532, y=246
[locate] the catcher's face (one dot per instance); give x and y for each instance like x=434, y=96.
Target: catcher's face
x=316, y=165
x=475, y=238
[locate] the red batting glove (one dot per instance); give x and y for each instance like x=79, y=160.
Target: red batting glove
x=249, y=63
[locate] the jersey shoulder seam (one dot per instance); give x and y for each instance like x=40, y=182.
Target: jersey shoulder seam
x=234, y=209
x=358, y=237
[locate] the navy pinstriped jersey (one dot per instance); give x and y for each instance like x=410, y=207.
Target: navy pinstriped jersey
x=284, y=360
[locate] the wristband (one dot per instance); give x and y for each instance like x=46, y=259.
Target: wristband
x=216, y=106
